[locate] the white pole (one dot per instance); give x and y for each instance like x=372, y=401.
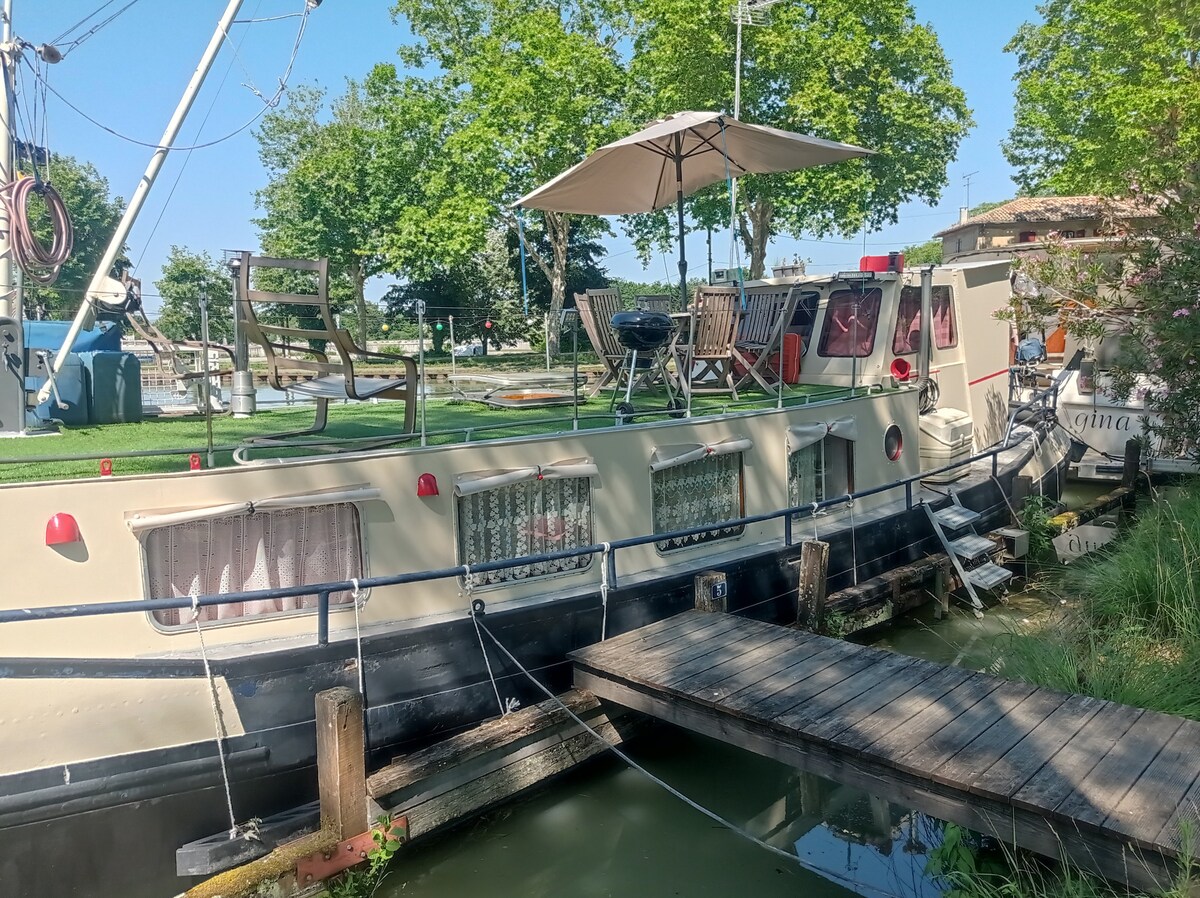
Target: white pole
x=547, y=326
x=8, y=290
x=737, y=108
x=84, y=317
x=421, y=362
x=453, y=367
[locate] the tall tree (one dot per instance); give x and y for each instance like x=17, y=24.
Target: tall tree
x=320, y=199
x=482, y=294
x=851, y=70
x=185, y=277
x=538, y=84
x=1107, y=90
x=94, y=216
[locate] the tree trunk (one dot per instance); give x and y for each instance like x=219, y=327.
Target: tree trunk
x=756, y=233
x=558, y=227
x=360, y=301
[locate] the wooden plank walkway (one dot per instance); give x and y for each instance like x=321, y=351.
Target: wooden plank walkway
x=1114, y=788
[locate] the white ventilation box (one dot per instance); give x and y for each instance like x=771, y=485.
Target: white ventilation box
x=946, y=437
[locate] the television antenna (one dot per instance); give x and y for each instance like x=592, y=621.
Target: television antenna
x=967, y=183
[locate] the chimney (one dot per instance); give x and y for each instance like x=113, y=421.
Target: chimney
x=963, y=214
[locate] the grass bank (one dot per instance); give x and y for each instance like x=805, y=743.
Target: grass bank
x=1127, y=629
x=1130, y=629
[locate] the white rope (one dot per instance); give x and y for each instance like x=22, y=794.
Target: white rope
x=483, y=648
x=217, y=725
x=712, y=815
x=604, y=591
x=359, y=602
x=853, y=539
x=816, y=509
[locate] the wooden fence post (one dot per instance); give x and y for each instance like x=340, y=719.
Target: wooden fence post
x=341, y=762
x=814, y=571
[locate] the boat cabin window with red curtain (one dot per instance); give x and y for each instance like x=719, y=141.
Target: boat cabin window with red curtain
x=851, y=319
x=906, y=339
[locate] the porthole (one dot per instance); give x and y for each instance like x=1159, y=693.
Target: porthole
x=893, y=442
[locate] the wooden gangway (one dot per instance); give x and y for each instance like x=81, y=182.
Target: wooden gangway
x=1111, y=787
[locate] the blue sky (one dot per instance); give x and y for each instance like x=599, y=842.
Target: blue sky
x=129, y=76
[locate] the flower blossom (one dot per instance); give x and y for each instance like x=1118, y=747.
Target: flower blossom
x=1181, y=313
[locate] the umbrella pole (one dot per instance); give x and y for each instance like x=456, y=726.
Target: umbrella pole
x=679, y=216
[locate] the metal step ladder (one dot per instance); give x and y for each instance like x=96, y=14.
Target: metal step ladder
x=967, y=549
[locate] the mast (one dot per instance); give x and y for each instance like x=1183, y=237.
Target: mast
x=84, y=316
x=8, y=58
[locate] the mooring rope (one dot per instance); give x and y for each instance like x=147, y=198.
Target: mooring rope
x=217, y=723
x=487, y=662
x=712, y=815
x=853, y=538
x=604, y=591
x=356, y=597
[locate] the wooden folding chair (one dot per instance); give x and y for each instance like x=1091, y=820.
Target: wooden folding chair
x=710, y=347
x=767, y=315
x=596, y=309
x=333, y=379
x=656, y=302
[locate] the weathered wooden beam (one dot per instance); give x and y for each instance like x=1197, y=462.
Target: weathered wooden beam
x=814, y=578
x=494, y=736
x=341, y=763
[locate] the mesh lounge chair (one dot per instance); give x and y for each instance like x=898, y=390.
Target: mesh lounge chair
x=332, y=379
x=658, y=302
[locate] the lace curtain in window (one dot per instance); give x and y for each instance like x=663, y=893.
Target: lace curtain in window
x=806, y=475
x=706, y=491
x=259, y=550
x=527, y=518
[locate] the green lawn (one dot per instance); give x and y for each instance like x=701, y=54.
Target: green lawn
x=187, y=434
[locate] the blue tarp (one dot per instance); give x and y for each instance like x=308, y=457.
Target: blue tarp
x=50, y=335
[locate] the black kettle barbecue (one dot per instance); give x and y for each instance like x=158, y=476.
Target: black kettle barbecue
x=645, y=332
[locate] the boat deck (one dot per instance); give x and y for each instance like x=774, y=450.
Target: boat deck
x=75, y=451
x=1115, y=788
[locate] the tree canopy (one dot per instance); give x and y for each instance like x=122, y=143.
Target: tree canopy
x=536, y=85
x=1107, y=91
x=847, y=70
x=186, y=275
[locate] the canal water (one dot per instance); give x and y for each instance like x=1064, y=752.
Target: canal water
x=609, y=831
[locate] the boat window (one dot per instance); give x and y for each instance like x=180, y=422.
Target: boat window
x=851, y=319
x=706, y=490
x=820, y=460
x=907, y=337
x=806, y=475
x=258, y=549
x=528, y=516
x=804, y=317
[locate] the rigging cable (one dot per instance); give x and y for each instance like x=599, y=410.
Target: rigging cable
x=269, y=103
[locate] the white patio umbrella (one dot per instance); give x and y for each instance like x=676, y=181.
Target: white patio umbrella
x=674, y=157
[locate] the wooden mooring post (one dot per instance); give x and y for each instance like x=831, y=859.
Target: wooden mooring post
x=712, y=592
x=1132, y=463
x=814, y=576
x=341, y=763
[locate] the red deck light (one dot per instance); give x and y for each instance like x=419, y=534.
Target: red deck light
x=61, y=530
x=194, y=462
x=901, y=369
x=427, y=485
x=106, y=467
